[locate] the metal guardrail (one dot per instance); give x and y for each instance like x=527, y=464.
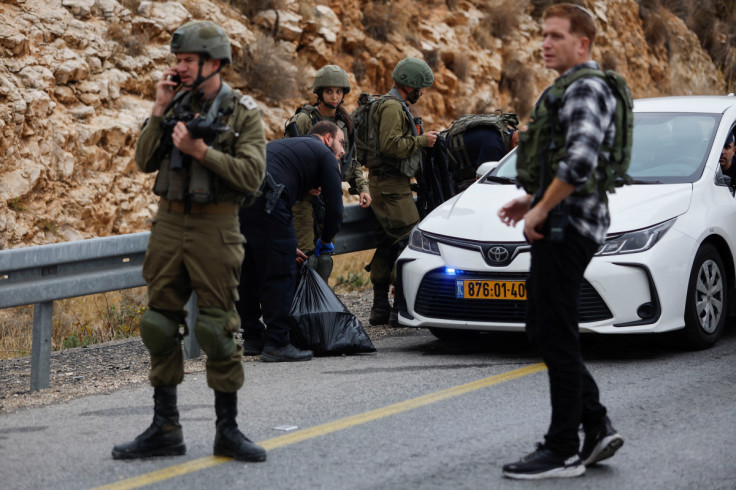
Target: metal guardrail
x=43, y=274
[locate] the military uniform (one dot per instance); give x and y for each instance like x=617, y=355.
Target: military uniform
x=393, y=201
x=195, y=243
x=198, y=245
x=392, y=162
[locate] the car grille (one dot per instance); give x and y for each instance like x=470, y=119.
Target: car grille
x=436, y=299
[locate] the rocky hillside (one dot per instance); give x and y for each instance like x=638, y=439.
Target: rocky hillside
x=77, y=79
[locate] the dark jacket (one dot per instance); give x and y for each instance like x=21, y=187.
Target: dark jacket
x=303, y=163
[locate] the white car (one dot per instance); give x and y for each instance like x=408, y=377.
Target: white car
x=668, y=260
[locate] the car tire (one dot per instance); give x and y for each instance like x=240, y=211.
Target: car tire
x=706, y=301
x=454, y=335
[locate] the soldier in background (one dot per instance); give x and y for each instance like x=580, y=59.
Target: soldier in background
x=195, y=242
x=400, y=144
x=330, y=84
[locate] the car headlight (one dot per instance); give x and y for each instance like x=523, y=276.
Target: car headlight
x=422, y=243
x=635, y=241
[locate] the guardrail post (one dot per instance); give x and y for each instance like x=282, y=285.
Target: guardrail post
x=41, y=345
x=191, y=346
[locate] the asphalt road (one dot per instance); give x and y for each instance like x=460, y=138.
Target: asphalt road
x=419, y=414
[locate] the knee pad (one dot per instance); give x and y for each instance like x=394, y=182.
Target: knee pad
x=160, y=334
x=214, y=330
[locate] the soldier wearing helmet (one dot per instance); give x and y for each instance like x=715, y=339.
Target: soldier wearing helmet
x=330, y=84
x=206, y=143
x=400, y=143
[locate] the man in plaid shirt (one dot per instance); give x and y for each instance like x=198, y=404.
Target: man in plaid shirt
x=565, y=229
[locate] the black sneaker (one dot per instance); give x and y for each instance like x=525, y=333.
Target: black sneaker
x=287, y=353
x=600, y=443
x=252, y=347
x=544, y=463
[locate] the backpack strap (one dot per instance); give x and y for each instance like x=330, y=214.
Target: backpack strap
x=394, y=92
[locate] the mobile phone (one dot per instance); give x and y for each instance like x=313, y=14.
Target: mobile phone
x=175, y=78
x=556, y=224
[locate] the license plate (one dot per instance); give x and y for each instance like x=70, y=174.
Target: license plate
x=512, y=290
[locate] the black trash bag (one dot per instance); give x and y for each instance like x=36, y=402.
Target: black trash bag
x=321, y=323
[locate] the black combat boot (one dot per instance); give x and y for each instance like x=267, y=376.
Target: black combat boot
x=381, y=308
x=164, y=437
x=229, y=441
x=393, y=319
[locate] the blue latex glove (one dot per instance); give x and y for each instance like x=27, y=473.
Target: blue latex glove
x=323, y=248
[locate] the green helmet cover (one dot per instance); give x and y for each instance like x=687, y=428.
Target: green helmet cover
x=202, y=37
x=413, y=72
x=331, y=76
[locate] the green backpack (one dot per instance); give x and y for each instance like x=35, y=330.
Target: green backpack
x=367, y=146
x=502, y=122
x=542, y=146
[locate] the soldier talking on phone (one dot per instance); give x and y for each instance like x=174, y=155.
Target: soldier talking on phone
x=206, y=142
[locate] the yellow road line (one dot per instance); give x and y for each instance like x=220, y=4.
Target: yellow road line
x=326, y=428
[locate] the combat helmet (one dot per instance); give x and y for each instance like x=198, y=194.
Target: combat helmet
x=330, y=76
x=202, y=37
x=413, y=72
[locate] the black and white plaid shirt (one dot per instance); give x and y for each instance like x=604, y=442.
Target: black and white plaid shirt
x=587, y=117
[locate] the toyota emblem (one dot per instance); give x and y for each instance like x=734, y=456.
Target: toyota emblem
x=498, y=254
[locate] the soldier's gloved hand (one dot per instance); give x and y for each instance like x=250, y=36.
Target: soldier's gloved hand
x=323, y=248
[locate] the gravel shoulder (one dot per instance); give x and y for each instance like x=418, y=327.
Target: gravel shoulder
x=115, y=365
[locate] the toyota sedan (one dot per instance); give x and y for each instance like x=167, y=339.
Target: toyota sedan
x=667, y=263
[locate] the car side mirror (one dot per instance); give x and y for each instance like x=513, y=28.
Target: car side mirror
x=725, y=180
x=484, y=168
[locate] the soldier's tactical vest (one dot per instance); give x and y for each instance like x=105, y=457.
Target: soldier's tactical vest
x=367, y=142
x=194, y=182
x=542, y=146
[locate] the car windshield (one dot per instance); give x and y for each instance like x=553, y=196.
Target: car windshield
x=668, y=148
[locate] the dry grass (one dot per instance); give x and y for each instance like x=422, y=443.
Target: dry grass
x=358, y=69
x=195, y=8
x=460, y=65
x=539, y=6
x=131, y=5
x=348, y=272
x=609, y=61
x=655, y=27
x=433, y=59
x=713, y=21
x=517, y=79
x=76, y=322
x=381, y=18
x=482, y=34
x=269, y=70
x=503, y=19
x=250, y=8
x=128, y=42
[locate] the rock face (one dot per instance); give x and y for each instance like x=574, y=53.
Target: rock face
x=77, y=80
